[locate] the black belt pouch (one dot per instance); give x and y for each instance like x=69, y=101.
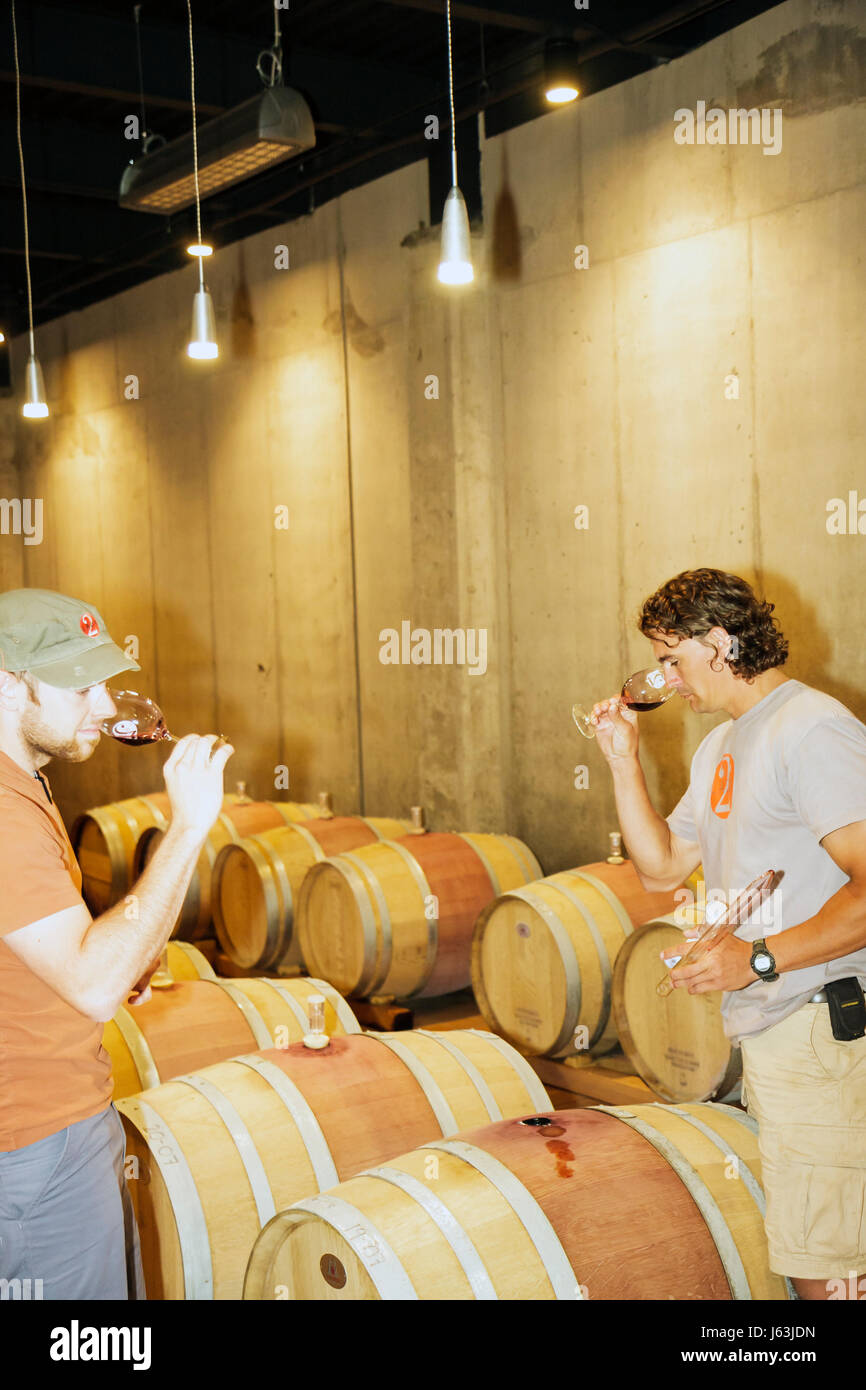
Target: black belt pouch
x=847, y=1009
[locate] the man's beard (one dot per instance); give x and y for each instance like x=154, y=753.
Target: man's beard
x=41, y=738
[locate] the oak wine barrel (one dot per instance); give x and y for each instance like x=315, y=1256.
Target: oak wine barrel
x=256, y=883
x=650, y=1202
x=218, y=1152
x=677, y=1044
x=194, y=1023
x=542, y=957
x=233, y=824
x=104, y=839
x=186, y=962
x=396, y=918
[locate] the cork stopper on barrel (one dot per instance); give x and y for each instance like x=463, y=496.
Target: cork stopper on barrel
x=418, y=826
x=326, y=802
x=615, y=855
x=162, y=977
x=316, y=1037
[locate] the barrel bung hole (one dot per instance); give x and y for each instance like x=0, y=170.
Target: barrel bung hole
x=333, y=1271
x=547, y=1126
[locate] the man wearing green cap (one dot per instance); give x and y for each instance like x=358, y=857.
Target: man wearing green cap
x=66, y=1218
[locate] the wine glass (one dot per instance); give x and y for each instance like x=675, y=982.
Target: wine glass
x=138, y=720
x=645, y=690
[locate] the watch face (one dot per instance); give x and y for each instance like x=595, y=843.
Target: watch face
x=762, y=962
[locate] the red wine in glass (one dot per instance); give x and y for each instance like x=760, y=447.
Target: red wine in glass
x=643, y=691
x=138, y=720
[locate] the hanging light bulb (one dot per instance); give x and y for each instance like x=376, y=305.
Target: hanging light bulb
x=202, y=343
x=202, y=339
x=35, y=406
x=455, y=257
x=560, y=71
x=455, y=265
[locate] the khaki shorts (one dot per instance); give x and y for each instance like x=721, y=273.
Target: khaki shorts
x=808, y=1093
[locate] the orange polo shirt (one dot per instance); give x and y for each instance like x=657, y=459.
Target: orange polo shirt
x=54, y=1070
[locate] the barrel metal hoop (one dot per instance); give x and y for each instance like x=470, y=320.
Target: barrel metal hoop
x=487, y=1097
x=271, y=883
x=537, y=1094
x=294, y=1004
x=459, y=1240
x=282, y=807
x=380, y=1263
x=537, y=1226
x=527, y=860
x=421, y=883
x=743, y=1169
x=309, y=840
x=192, y=1230
x=371, y=825
x=709, y=1208
x=160, y=819
x=272, y=934
x=445, y=1117
x=286, y=941
x=257, y=1025
x=741, y=1117
x=609, y=897
x=263, y=1197
x=350, y=865
x=338, y=1004
x=148, y=1072
x=573, y=991
x=191, y=952
x=489, y=869
x=324, y=1168
x=601, y=951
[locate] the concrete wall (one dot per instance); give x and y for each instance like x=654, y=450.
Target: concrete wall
x=557, y=387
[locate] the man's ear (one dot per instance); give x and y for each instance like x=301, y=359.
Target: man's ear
x=9, y=684
x=724, y=645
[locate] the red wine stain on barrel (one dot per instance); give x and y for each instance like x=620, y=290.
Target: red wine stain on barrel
x=564, y=1154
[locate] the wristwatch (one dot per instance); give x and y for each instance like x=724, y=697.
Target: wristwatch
x=763, y=961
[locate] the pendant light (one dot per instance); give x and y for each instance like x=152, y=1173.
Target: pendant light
x=561, y=58
x=202, y=343
x=455, y=259
x=35, y=406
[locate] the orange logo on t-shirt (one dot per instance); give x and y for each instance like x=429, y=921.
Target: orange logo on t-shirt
x=722, y=790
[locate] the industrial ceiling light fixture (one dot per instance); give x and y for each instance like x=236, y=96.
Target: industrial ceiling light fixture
x=35, y=406
x=455, y=259
x=561, y=58
x=260, y=133
x=202, y=343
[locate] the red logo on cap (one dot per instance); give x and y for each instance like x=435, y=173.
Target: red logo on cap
x=89, y=625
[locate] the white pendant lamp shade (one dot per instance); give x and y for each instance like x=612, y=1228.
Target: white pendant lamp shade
x=203, y=341
x=455, y=263
x=35, y=406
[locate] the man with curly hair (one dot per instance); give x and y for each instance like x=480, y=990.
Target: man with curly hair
x=780, y=785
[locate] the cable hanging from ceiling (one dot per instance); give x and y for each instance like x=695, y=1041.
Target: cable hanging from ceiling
x=35, y=406
x=202, y=343
x=455, y=260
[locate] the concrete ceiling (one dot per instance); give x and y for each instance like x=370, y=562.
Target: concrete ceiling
x=370, y=69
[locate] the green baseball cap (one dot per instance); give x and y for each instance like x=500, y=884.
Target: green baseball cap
x=63, y=641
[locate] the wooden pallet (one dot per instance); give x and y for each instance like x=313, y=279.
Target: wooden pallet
x=458, y=1010
x=226, y=968
x=584, y=1081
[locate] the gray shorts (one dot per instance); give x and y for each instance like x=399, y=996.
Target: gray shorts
x=66, y=1218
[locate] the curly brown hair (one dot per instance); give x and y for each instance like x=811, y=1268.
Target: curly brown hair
x=693, y=602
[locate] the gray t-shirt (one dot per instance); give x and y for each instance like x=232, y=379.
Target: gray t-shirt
x=764, y=790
